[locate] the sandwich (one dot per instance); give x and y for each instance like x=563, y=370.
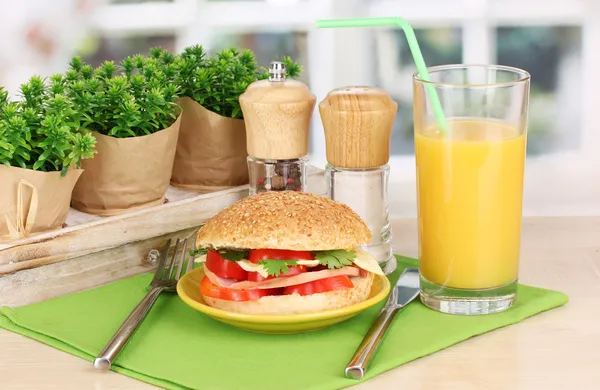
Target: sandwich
x=288, y=252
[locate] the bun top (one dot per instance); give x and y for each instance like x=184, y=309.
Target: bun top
x=285, y=220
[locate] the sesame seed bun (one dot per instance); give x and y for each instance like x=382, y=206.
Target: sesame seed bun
x=298, y=304
x=285, y=220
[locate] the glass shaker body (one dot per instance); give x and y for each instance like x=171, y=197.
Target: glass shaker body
x=365, y=192
x=277, y=175
x=277, y=115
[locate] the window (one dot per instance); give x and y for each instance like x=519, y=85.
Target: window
x=395, y=68
x=99, y=49
x=268, y=46
x=555, y=40
x=552, y=54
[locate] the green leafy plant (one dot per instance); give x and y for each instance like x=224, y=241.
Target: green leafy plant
x=335, y=258
x=229, y=254
x=134, y=99
x=331, y=259
x=217, y=82
x=277, y=267
x=197, y=252
x=233, y=255
x=42, y=131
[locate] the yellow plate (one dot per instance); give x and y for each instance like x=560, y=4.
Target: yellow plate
x=188, y=290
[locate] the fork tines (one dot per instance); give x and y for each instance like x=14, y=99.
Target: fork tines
x=167, y=263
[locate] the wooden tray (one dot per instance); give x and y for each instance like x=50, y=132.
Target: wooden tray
x=91, y=250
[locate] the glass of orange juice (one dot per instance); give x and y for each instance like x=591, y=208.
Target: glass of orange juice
x=470, y=185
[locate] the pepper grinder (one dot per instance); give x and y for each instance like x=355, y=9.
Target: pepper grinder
x=277, y=114
x=358, y=124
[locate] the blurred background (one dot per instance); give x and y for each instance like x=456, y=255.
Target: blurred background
x=555, y=40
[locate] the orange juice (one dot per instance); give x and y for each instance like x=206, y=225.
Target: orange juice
x=470, y=186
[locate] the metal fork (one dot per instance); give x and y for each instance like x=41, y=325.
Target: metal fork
x=163, y=280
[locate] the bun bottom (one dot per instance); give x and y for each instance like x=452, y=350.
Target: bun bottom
x=299, y=304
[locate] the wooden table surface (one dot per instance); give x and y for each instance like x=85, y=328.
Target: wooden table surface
x=558, y=349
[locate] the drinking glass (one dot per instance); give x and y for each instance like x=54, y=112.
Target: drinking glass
x=470, y=185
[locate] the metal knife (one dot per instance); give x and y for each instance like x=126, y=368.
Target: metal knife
x=405, y=290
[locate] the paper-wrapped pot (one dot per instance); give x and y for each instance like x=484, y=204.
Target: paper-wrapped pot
x=127, y=173
x=211, y=151
x=33, y=202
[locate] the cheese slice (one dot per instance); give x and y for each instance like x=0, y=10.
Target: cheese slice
x=251, y=267
x=308, y=263
x=363, y=260
x=200, y=259
x=304, y=277
x=367, y=262
x=245, y=264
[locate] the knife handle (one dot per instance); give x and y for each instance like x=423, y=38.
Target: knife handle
x=362, y=357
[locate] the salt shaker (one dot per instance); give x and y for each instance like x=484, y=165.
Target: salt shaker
x=277, y=113
x=358, y=124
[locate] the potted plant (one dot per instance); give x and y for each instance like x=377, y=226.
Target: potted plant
x=211, y=151
x=132, y=113
x=42, y=144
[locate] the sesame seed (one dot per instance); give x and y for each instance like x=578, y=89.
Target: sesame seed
x=311, y=223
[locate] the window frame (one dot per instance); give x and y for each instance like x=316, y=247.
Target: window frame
x=194, y=21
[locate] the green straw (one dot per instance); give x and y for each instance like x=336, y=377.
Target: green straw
x=412, y=44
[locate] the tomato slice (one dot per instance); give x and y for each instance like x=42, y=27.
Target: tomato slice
x=320, y=286
x=293, y=270
x=224, y=268
x=318, y=268
x=209, y=289
x=278, y=254
x=257, y=255
x=362, y=273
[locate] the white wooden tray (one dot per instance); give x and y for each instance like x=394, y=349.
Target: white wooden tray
x=91, y=251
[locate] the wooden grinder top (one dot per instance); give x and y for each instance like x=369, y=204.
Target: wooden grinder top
x=277, y=114
x=358, y=126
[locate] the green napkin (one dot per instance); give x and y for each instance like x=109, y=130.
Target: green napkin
x=177, y=347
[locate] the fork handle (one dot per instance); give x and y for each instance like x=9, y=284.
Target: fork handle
x=120, y=338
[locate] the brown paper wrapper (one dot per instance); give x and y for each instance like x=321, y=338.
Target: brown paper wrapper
x=211, y=151
x=33, y=202
x=126, y=173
